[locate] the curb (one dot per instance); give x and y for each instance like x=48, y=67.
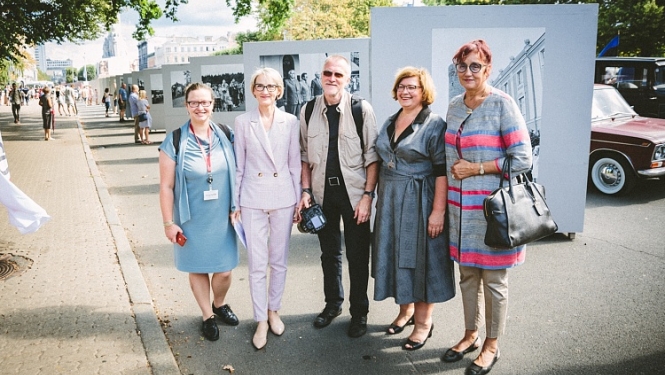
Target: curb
x=157, y=349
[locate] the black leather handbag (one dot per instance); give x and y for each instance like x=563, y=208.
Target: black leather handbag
x=516, y=214
x=143, y=117
x=312, y=220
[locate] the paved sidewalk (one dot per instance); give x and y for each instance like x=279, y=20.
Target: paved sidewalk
x=67, y=309
x=101, y=271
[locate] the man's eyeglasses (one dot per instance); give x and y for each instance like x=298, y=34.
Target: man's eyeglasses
x=328, y=73
x=204, y=104
x=407, y=87
x=473, y=67
x=260, y=87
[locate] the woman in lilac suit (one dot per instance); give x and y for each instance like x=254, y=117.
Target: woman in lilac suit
x=267, y=189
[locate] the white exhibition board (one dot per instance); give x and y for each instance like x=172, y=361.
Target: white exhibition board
x=174, y=80
x=308, y=57
x=561, y=69
x=226, y=77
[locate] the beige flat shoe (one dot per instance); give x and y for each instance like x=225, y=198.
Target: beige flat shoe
x=276, y=324
x=260, y=338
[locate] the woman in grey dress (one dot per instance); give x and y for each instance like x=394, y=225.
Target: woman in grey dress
x=196, y=198
x=411, y=261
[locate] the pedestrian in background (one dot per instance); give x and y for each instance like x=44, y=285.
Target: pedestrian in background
x=196, y=199
x=268, y=160
x=122, y=101
x=46, y=102
x=411, y=262
x=485, y=126
x=106, y=98
x=144, y=108
x=16, y=97
x=134, y=109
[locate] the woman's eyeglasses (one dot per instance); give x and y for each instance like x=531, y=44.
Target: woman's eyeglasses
x=473, y=67
x=407, y=87
x=204, y=104
x=328, y=73
x=260, y=87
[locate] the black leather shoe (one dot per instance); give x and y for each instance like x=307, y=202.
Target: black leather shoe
x=474, y=369
x=453, y=356
x=210, y=330
x=358, y=326
x=226, y=314
x=326, y=316
x=417, y=345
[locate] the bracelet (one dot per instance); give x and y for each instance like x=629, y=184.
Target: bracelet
x=168, y=223
x=308, y=191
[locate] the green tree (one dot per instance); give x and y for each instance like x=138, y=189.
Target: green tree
x=90, y=71
x=311, y=20
x=70, y=75
x=639, y=23
x=42, y=76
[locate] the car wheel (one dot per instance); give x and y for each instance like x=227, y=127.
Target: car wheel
x=612, y=176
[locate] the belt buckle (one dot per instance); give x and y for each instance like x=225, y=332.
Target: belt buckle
x=333, y=181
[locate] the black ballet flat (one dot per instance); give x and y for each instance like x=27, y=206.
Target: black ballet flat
x=453, y=356
x=398, y=329
x=417, y=345
x=474, y=369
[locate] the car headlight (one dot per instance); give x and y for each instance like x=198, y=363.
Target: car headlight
x=659, y=152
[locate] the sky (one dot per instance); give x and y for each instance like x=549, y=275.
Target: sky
x=197, y=18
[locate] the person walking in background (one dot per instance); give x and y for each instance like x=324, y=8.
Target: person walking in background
x=291, y=93
x=411, y=262
x=106, y=98
x=134, y=109
x=196, y=184
x=70, y=101
x=16, y=97
x=316, y=87
x=46, y=102
x=122, y=101
x=59, y=99
x=143, y=108
x=485, y=126
x=268, y=160
x=339, y=171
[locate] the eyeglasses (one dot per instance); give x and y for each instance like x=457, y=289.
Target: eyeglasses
x=407, y=87
x=328, y=73
x=260, y=87
x=473, y=67
x=204, y=104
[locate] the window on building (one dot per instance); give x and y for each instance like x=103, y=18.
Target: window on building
x=168, y=49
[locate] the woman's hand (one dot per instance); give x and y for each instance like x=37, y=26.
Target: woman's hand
x=235, y=217
x=305, y=202
x=171, y=232
x=435, y=223
x=462, y=169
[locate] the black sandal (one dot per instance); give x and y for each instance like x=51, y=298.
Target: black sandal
x=398, y=329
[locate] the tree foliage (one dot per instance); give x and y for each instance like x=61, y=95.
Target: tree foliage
x=70, y=75
x=34, y=22
x=91, y=73
x=639, y=23
x=311, y=19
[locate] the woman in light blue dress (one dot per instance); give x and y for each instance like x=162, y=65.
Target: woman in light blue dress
x=197, y=176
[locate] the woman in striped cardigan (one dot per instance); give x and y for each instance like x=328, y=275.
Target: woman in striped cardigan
x=485, y=126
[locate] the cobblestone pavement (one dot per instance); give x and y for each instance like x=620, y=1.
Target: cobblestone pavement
x=102, y=270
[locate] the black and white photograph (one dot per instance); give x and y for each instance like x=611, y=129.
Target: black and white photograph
x=156, y=89
x=179, y=81
x=518, y=63
x=302, y=76
x=227, y=82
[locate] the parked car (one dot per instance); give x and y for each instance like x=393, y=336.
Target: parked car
x=625, y=147
x=640, y=80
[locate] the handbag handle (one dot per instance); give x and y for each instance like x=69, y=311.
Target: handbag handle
x=507, y=170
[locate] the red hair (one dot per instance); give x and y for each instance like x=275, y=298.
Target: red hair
x=477, y=45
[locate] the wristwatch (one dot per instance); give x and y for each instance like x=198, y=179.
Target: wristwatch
x=370, y=193
x=482, y=170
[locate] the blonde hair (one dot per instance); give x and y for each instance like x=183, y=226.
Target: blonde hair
x=143, y=95
x=272, y=75
x=424, y=78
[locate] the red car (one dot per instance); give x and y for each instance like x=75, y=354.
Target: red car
x=625, y=147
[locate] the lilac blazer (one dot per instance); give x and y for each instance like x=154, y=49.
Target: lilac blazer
x=267, y=163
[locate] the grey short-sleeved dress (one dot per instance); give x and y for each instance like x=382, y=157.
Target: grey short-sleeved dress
x=211, y=240
x=406, y=263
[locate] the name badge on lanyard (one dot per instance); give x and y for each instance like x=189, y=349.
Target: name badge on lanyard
x=210, y=194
